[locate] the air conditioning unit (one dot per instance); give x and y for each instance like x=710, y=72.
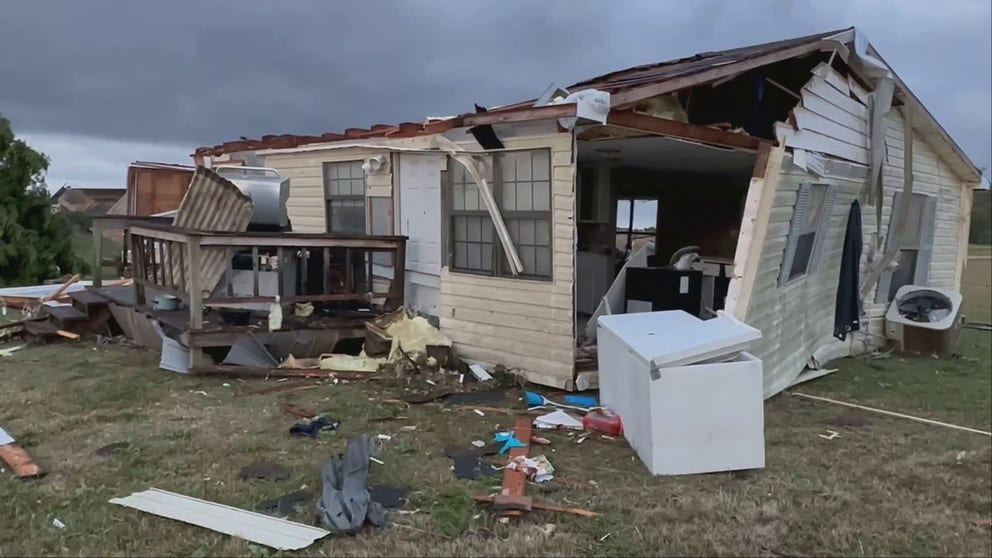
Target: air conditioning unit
x=924, y=320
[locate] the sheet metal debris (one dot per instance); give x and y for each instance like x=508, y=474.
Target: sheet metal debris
x=269, y=531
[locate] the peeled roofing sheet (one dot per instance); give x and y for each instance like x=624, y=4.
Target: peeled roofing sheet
x=212, y=204
x=255, y=527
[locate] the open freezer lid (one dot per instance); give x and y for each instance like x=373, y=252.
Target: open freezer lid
x=676, y=338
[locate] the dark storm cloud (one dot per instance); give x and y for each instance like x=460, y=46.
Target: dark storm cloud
x=194, y=73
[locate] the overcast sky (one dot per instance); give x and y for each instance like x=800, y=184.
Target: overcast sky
x=97, y=84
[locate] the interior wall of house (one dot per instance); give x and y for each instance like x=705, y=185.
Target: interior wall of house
x=695, y=209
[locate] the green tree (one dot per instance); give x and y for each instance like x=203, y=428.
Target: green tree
x=35, y=244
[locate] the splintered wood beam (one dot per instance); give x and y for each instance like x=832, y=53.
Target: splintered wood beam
x=681, y=130
x=515, y=481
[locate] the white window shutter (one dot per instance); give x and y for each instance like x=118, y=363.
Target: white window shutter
x=798, y=219
x=882, y=291
x=821, y=230
x=925, y=255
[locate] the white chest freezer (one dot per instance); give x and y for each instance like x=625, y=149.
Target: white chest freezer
x=689, y=396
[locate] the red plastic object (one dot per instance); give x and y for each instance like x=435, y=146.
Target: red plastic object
x=604, y=422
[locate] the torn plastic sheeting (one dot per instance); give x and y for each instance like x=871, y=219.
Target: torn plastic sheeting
x=509, y=441
x=558, y=419
x=590, y=104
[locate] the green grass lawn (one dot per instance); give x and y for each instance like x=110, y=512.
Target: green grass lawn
x=887, y=486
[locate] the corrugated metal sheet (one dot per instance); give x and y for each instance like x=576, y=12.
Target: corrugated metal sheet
x=212, y=204
x=262, y=529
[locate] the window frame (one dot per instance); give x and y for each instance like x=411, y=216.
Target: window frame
x=798, y=228
x=924, y=243
x=499, y=265
x=328, y=197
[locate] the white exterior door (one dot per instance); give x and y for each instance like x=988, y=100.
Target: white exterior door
x=420, y=219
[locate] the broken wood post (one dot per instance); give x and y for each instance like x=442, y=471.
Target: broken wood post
x=546, y=506
x=893, y=414
x=61, y=289
x=511, y=499
x=97, y=252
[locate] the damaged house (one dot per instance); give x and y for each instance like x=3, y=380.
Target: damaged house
x=752, y=161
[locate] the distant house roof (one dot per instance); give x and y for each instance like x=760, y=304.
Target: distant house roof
x=93, y=201
x=632, y=85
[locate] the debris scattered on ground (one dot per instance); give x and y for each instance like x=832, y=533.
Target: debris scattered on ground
x=298, y=411
x=303, y=309
x=300, y=363
x=603, y=422
x=415, y=334
x=57, y=523
x=311, y=429
x=111, y=449
x=284, y=506
x=345, y=503
x=349, y=363
x=987, y=523
x=388, y=496
x=265, y=470
x=832, y=435
x=511, y=499
x=262, y=529
x=478, y=443
x=508, y=440
x=480, y=373
x=534, y=504
x=537, y=469
x=17, y=458
x=10, y=350
x=540, y=441
x=587, y=401
x=5, y=438
x=537, y=400
x=558, y=419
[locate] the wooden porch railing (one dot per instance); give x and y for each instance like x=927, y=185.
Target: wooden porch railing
x=189, y=264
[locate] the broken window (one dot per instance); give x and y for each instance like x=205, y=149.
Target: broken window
x=915, y=245
x=812, y=210
x=344, y=186
x=521, y=184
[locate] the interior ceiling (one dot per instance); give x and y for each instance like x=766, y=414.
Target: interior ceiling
x=668, y=154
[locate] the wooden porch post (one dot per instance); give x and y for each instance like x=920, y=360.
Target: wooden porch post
x=196, y=358
x=97, y=252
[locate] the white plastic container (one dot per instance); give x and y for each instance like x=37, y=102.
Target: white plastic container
x=689, y=397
